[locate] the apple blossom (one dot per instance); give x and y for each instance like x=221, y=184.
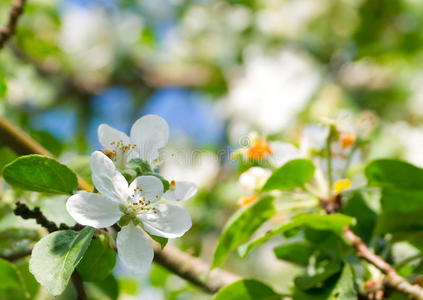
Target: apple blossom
x=139, y=204
x=148, y=134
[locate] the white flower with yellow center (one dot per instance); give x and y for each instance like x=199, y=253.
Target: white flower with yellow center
x=140, y=203
x=148, y=134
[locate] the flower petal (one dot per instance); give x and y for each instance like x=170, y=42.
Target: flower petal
x=282, y=153
x=313, y=138
x=254, y=178
x=107, y=180
x=150, y=187
x=93, y=210
x=170, y=221
x=134, y=250
x=184, y=190
x=149, y=133
x=107, y=135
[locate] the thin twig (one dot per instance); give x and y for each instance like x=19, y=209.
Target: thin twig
x=186, y=266
x=79, y=286
x=9, y=29
x=25, y=212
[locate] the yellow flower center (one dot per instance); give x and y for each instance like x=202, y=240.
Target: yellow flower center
x=139, y=204
x=121, y=151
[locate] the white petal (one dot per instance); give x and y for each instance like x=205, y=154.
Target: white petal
x=107, y=135
x=149, y=133
x=254, y=178
x=313, y=138
x=134, y=250
x=282, y=153
x=184, y=190
x=151, y=188
x=107, y=180
x=93, y=210
x=171, y=221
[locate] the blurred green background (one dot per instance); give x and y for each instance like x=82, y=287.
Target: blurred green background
x=215, y=70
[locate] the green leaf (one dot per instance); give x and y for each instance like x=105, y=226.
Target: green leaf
x=298, y=253
x=247, y=289
x=306, y=282
x=241, y=226
x=55, y=257
x=340, y=287
x=401, y=212
x=358, y=207
x=335, y=223
x=9, y=276
x=98, y=261
x=291, y=175
x=41, y=174
x=401, y=200
x=394, y=173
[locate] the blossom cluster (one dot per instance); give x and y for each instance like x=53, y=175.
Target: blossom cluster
x=344, y=141
x=146, y=206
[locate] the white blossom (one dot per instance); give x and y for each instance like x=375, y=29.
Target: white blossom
x=139, y=202
x=148, y=134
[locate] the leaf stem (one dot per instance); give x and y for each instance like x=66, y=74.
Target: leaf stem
x=329, y=160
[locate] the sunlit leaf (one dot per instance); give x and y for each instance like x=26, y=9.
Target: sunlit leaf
x=335, y=223
x=294, y=174
x=241, y=226
x=394, y=173
x=327, y=286
x=55, y=257
x=40, y=173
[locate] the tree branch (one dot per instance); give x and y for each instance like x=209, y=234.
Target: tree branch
x=391, y=276
x=186, y=266
x=193, y=269
x=9, y=29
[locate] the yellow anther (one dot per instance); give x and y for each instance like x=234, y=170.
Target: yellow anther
x=259, y=149
x=348, y=139
x=341, y=184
